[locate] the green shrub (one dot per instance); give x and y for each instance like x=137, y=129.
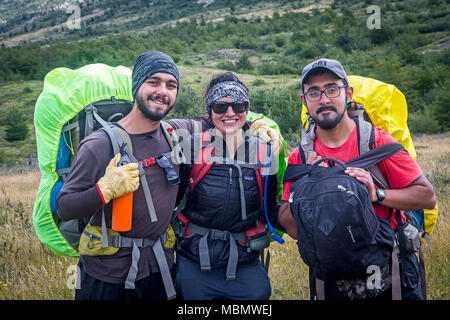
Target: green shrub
x=258, y=82
x=16, y=126
x=440, y=107
x=421, y=122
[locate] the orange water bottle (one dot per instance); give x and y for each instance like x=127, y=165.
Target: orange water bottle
x=122, y=207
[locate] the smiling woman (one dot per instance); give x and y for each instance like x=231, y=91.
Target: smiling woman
x=221, y=224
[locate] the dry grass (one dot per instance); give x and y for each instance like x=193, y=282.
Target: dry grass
x=433, y=154
x=29, y=270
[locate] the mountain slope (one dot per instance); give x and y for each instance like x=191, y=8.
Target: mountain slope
x=42, y=21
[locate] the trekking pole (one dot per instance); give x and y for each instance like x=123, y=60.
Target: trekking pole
x=271, y=230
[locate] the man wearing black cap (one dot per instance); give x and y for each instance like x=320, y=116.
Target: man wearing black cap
x=136, y=270
x=334, y=134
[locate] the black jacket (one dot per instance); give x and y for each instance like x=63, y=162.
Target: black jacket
x=215, y=201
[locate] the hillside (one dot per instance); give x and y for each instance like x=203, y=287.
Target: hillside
x=44, y=21
x=266, y=42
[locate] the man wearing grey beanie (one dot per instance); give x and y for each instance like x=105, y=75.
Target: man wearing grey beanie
x=95, y=180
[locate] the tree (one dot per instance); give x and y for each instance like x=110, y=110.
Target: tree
x=244, y=64
x=441, y=107
x=16, y=126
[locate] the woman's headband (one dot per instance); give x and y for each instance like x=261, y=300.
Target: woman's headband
x=228, y=89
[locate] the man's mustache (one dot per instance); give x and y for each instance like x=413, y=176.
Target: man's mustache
x=324, y=108
x=157, y=97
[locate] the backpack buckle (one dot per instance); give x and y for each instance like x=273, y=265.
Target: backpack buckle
x=148, y=162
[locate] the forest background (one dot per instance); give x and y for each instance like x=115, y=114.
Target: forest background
x=266, y=42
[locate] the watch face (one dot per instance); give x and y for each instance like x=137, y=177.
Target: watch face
x=381, y=194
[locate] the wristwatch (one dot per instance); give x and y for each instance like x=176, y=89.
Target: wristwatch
x=381, y=195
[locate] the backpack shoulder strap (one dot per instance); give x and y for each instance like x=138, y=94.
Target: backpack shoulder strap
x=121, y=138
x=260, y=175
x=295, y=171
x=202, y=164
x=365, y=134
x=307, y=142
x=120, y=141
x=170, y=134
x=366, y=142
x=172, y=138
x=203, y=161
x=368, y=159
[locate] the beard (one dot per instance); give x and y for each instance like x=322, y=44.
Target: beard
x=150, y=114
x=328, y=123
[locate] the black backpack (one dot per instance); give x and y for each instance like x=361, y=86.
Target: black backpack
x=339, y=235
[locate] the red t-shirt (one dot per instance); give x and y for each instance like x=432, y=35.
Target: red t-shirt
x=399, y=170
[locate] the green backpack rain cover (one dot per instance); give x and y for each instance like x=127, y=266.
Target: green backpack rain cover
x=65, y=93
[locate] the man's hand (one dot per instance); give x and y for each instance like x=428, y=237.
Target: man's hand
x=313, y=157
x=118, y=181
x=365, y=177
x=259, y=129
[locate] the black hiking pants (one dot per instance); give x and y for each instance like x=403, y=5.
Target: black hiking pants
x=410, y=283
x=149, y=288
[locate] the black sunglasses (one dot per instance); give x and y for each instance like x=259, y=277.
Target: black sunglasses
x=221, y=107
x=171, y=174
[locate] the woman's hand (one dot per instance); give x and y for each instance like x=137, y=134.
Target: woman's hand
x=259, y=129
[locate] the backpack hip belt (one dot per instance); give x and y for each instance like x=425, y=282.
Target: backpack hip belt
x=255, y=238
x=157, y=247
x=119, y=241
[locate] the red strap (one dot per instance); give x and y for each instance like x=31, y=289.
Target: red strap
x=201, y=165
x=254, y=121
x=100, y=193
x=185, y=220
x=259, y=228
x=259, y=180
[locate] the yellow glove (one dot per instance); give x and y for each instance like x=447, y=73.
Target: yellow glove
x=267, y=134
x=118, y=181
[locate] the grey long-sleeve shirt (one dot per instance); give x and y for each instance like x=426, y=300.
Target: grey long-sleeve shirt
x=79, y=198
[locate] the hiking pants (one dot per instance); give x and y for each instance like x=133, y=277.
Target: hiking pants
x=251, y=283
x=410, y=283
x=149, y=288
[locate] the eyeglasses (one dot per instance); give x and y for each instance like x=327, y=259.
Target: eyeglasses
x=171, y=174
x=332, y=91
x=221, y=107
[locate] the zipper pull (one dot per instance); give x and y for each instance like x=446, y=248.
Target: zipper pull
x=291, y=197
x=344, y=189
x=231, y=175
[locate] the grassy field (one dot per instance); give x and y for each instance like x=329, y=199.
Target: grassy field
x=29, y=270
